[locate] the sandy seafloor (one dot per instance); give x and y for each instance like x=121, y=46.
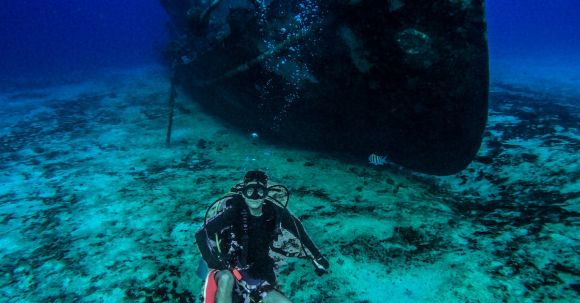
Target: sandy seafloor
x=95, y=208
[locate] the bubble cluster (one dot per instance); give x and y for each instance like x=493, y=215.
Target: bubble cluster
x=288, y=32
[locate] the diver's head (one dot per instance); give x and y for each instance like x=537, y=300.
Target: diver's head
x=255, y=189
x=257, y=176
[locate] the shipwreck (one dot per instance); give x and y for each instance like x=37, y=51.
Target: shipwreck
x=403, y=78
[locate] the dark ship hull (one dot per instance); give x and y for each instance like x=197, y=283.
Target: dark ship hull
x=406, y=79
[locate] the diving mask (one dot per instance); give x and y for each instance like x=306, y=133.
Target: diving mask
x=254, y=191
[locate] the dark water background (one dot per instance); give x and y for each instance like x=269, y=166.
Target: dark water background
x=57, y=39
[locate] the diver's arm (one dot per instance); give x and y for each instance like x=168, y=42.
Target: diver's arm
x=217, y=223
x=213, y=226
x=225, y=217
x=209, y=231
x=292, y=224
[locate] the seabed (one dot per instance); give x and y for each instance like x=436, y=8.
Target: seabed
x=95, y=208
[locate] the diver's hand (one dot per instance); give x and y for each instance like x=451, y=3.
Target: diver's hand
x=321, y=265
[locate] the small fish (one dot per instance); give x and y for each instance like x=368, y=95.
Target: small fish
x=377, y=160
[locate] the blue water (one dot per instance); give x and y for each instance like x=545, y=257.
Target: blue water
x=56, y=38
x=533, y=28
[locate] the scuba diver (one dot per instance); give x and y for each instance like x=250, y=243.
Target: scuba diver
x=237, y=242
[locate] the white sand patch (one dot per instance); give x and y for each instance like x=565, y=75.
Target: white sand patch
x=401, y=285
x=503, y=119
x=183, y=233
x=11, y=243
x=115, y=295
x=348, y=225
x=90, y=224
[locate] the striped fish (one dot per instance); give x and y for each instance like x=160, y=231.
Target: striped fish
x=377, y=160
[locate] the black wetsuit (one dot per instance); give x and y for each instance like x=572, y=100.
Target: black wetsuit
x=261, y=232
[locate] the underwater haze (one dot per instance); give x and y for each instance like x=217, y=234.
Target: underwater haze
x=536, y=40
x=533, y=28
x=62, y=39
x=95, y=206
x=42, y=38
